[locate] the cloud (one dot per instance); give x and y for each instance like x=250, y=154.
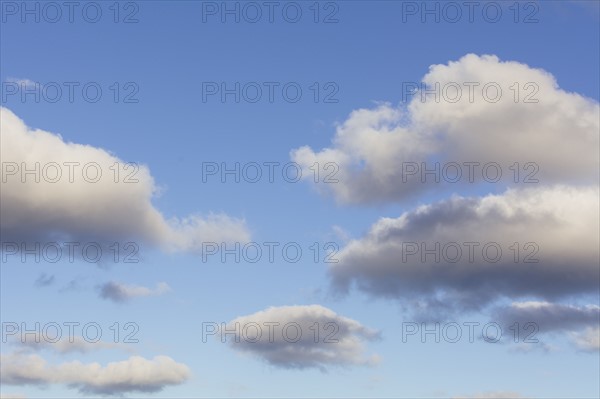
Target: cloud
x=44, y=280
x=73, y=285
x=341, y=234
x=580, y=323
x=374, y=147
x=291, y=343
x=24, y=83
x=587, y=340
x=65, y=346
x=561, y=222
x=550, y=316
x=530, y=346
x=115, y=208
x=135, y=374
x=119, y=292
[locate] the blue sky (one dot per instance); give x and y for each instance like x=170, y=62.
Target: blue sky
x=168, y=56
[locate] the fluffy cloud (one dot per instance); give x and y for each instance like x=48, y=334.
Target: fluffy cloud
x=73, y=209
x=290, y=338
x=442, y=258
x=374, y=147
x=135, y=374
x=119, y=292
x=562, y=223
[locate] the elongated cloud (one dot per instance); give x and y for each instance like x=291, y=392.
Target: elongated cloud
x=135, y=374
x=84, y=193
x=66, y=346
x=460, y=254
x=551, y=316
x=301, y=337
x=552, y=134
x=588, y=339
x=119, y=292
x=580, y=323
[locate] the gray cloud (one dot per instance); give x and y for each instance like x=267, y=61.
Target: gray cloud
x=119, y=292
x=135, y=374
x=44, y=280
x=339, y=341
x=581, y=324
x=550, y=316
x=563, y=222
x=75, y=210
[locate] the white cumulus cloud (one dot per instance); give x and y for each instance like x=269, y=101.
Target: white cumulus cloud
x=558, y=135
x=63, y=206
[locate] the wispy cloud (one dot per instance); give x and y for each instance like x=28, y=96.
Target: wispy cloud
x=119, y=292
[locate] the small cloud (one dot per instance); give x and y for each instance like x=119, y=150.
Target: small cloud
x=525, y=348
x=24, y=83
x=119, y=292
x=587, y=340
x=73, y=285
x=301, y=337
x=44, y=280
